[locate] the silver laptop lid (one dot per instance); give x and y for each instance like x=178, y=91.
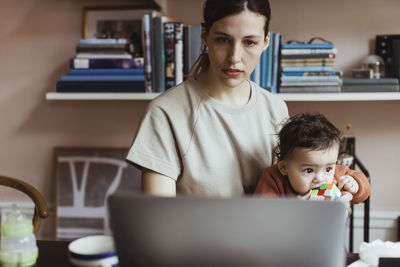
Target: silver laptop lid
x=194, y=231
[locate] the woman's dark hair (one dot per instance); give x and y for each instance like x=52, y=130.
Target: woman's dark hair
x=306, y=130
x=215, y=10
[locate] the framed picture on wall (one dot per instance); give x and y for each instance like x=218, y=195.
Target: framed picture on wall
x=85, y=177
x=115, y=22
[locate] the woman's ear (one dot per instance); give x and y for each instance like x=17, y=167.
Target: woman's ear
x=266, y=41
x=282, y=166
x=204, y=36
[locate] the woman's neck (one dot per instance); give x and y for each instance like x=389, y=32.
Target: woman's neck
x=235, y=96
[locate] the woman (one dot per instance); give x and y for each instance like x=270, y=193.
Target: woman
x=214, y=133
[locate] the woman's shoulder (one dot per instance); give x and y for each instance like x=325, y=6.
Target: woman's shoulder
x=178, y=98
x=275, y=105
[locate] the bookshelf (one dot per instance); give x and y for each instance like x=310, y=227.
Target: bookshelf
x=332, y=97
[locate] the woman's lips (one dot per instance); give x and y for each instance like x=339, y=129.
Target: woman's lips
x=232, y=72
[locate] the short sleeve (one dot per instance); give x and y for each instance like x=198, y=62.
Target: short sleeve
x=154, y=146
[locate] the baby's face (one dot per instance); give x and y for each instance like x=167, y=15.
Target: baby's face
x=307, y=169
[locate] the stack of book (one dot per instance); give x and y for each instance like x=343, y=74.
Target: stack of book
x=104, y=65
x=308, y=68
x=170, y=49
x=267, y=70
x=370, y=85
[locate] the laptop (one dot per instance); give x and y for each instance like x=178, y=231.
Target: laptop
x=246, y=231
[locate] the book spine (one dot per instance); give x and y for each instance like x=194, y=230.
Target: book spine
x=100, y=87
x=113, y=55
x=158, y=54
x=307, y=46
x=102, y=48
x=263, y=69
x=276, y=63
x=307, y=56
x=105, y=63
x=269, y=62
x=312, y=73
x=306, y=68
x=88, y=78
x=103, y=41
x=178, y=52
x=115, y=71
x=308, y=51
x=147, y=51
x=194, y=45
x=169, y=41
x=257, y=73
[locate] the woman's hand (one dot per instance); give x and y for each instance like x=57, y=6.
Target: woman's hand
x=348, y=183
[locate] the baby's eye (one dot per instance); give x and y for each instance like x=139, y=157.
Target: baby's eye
x=308, y=170
x=328, y=169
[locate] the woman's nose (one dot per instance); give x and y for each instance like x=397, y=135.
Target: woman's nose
x=235, y=53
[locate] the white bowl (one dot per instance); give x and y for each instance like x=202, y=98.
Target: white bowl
x=90, y=251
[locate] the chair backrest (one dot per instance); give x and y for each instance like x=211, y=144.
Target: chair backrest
x=41, y=210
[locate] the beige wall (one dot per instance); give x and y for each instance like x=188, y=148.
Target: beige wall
x=37, y=38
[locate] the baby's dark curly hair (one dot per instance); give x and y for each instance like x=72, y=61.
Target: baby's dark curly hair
x=306, y=130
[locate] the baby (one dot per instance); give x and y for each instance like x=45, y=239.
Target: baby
x=307, y=152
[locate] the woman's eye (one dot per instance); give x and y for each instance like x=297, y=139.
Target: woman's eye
x=308, y=170
x=222, y=40
x=250, y=42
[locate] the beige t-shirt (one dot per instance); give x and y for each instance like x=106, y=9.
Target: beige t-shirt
x=208, y=147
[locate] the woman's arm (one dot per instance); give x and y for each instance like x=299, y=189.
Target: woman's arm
x=157, y=184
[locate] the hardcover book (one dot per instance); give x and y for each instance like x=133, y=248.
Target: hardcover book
x=106, y=63
x=159, y=52
x=102, y=78
x=178, y=52
x=100, y=87
x=192, y=46
x=115, y=71
x=169, y=41
x=307, y=46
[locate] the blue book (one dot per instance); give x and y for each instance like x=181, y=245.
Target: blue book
x=263, y=69
x=253, y=76
x=106, y=71
x=269, y=62
x=87, y=78
x=310, y=73
x=308, y=46
x=307, y=68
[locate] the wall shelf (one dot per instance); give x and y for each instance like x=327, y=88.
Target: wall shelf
x=312, y=97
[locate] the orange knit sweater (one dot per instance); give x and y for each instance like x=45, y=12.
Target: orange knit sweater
x=272, y=183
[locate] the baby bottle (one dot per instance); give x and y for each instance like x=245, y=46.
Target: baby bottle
x=18, y=243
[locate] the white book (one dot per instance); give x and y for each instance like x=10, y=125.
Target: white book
x=103, y=55
x=178, y=53
x=308, y=51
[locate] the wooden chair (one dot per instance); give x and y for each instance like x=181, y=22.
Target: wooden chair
x=360, y=165
x=41, y=210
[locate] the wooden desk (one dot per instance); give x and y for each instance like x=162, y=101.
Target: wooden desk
x=55, y=254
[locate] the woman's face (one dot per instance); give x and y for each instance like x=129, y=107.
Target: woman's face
x=235, y=44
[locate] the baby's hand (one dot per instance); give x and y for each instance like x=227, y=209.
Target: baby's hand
x=346, y=198
x=305, y=196
x=348, y=183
